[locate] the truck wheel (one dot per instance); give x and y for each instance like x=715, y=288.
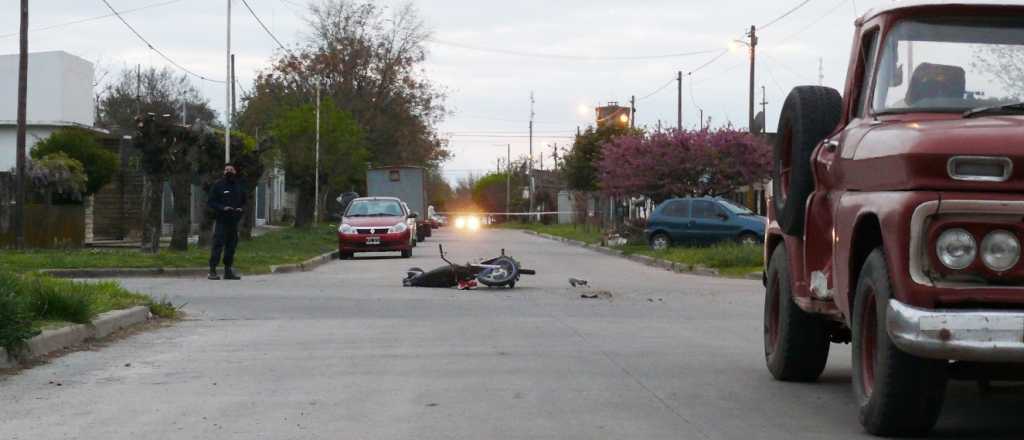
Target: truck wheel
x=808, y=116
x=897, y=394
x=795, y=342
x=407, y=253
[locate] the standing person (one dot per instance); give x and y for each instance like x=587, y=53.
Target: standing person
x=227, y=198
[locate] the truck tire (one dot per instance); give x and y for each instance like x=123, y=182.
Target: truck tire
x=897, y=394
x=809, y=114
x=796, y=343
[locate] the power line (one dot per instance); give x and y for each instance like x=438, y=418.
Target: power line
x=655, y=92
x=814, y=22
x=264, y=26
x=565, y=56
x=154, y=49
x=98, y=17
x=777, y=19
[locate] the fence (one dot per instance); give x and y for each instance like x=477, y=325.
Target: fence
x=46, y=226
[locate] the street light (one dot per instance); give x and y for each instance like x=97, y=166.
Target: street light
x=752, y=44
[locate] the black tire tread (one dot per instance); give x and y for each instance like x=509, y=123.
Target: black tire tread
x=813, y=112
x=909, y=391
x=803, y=338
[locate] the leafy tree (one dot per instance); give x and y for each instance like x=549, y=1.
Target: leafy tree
x=438, y=190
x=100, y=164
x=368, y=59
x=489, y=192
x=678, y=163
x=342, y=152
x=151, y=91
x=580, y=164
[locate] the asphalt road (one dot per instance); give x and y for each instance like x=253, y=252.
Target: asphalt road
x=345, y=352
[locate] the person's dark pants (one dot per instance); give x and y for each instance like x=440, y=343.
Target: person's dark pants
x=225, y=239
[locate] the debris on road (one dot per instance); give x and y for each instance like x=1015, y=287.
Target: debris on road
x=575, y=282
x=597, y=294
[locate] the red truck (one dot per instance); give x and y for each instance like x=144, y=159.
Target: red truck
x=897, y=212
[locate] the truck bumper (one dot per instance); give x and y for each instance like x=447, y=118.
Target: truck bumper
x=961, y=335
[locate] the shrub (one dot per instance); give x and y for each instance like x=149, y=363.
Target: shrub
x=100, y=164
x=15, y=317
x=56, y=300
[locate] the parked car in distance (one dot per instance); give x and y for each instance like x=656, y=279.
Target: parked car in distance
x=375, y=224
x=702, y=220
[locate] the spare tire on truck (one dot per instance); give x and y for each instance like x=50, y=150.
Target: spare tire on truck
x=809, y=115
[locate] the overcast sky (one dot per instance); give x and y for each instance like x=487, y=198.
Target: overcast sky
x=490, y=90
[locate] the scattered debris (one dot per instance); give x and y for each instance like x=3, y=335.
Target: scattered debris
x=597, y=294
x=432, y=404
x=129, y=364
x=576, y=282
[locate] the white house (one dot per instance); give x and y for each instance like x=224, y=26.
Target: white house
x=60, y=94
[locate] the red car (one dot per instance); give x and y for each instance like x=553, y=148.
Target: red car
x=375, y=224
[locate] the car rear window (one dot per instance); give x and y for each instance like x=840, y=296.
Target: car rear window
x=677, y=208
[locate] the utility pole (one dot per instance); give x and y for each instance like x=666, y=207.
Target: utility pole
x=227, y=93
x=632, y=111
x=701, y=119
x=679, y=101
x=234, y=95
x=184, y=112
x=20, y=186
x=821, y=71
x=138, y=90
x=316, y=173
x=529, y=169
x=508, y=183
x=753, y=57
x=764, y=111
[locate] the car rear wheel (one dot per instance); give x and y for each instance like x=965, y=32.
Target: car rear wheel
x=660, y=241
x=796, y=343
x=809, y=114
x=897, y=394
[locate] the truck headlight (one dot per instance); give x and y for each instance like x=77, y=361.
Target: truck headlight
x=346, y=229
x=1000, y=250
x=397, y=228
x=956, y=248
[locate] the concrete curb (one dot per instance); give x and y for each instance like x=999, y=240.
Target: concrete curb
x=179, y=272
x=307, y=265
x=644, y=259
x=58, y=339
x=148, y=272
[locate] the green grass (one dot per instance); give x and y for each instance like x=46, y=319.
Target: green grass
x=255, y=256
x=731, y=259
x=573, y=232
x=31, y=302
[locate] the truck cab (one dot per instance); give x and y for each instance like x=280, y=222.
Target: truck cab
x=897, y=213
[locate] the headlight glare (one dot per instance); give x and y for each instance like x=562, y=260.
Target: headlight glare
x=473, y=223
x=1000, y=250
x=460, y=222
x=956, y=248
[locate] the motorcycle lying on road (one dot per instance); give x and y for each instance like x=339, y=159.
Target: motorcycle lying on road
x=500, y=271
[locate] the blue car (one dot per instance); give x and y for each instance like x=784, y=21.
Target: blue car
x=702, y=220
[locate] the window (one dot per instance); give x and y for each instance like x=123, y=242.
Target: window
x=736, y=209
x=374, y=208
x=950, y=66
x=677, y=208
x=868, y=48
x=706, y=210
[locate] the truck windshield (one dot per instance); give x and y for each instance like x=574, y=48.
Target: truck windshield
x=950, y=66
x=374, y=208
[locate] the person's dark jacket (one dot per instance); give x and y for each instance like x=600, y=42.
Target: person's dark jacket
x=227, y=193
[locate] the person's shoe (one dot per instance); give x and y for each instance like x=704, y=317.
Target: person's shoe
x=213, y=275
x=230, y=275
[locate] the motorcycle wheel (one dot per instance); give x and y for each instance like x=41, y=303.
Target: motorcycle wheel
x=506, y=275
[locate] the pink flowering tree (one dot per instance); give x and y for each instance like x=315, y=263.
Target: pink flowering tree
x=683, y=163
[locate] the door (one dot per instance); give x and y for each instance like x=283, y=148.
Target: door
x=675, y=218
x=711, y=222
